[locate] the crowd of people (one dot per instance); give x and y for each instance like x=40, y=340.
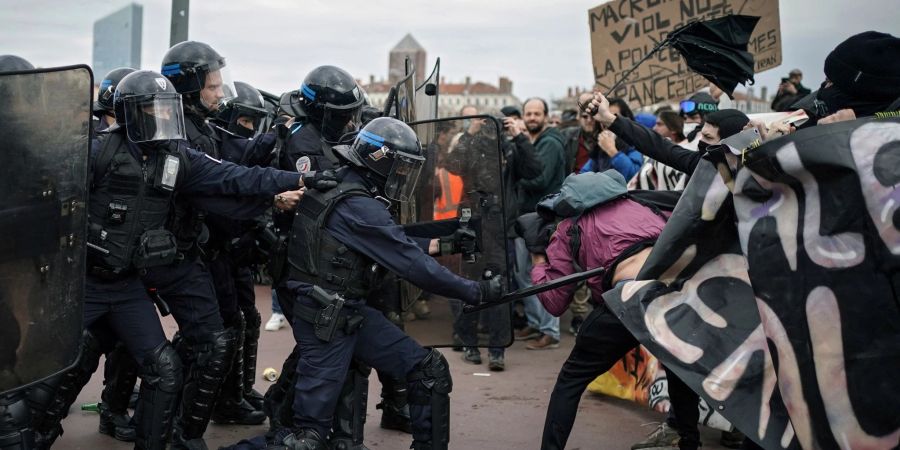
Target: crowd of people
x=194, y=181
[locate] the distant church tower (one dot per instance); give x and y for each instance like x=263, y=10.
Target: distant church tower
x=416, y=53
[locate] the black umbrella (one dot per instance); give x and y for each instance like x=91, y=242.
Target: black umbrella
x=715, y=49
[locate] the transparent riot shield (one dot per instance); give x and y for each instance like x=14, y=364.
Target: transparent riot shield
x=462, y=187
x=45, y=129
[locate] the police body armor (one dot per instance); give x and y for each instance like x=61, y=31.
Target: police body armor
x=187, y=221
x=317, y=258
x=129, y=205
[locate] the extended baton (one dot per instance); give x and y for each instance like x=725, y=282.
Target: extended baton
x=522, y=293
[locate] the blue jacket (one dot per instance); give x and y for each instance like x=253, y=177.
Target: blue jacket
x=627, y=162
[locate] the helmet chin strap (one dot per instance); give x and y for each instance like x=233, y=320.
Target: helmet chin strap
x=196, y=105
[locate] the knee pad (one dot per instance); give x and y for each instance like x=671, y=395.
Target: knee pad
x=433, y=372
x=162, y=369
x=15, y=422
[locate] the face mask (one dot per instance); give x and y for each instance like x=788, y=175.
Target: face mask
x=688, y=128
x=702, y=146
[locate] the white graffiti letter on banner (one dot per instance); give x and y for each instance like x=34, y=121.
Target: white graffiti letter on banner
x=828, y=354
x=840, y=250
x=782, y=206
x=655, y=316
x=880, y=141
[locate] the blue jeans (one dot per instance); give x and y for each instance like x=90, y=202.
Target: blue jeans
x=538, y=317
x=276, y=308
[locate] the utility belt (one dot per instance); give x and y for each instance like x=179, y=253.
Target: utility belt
x=330, y=316
x=109, y=274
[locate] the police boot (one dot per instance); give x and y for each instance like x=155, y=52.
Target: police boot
x=208, y=363
x=231, y=408
x=120, y=375
x=251, y=347
x=429, y=402
x=350, y=413
x=117, y=425
x=161, y=377
x=393, y=406
x=15, y=421
x=47, y=423
x=305, y=439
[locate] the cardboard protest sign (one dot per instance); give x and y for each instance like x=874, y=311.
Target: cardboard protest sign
x=624, y=31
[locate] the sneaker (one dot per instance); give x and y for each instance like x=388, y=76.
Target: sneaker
x=496, y=363
x=471, y=355
x=527, y=333
x=662, y=436
x=276, y=322
x=732, y=439
x=575, y=325
x=544, y=343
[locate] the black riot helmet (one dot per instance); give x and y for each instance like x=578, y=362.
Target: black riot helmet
x=247, y=103
x=13, y=63
x=331, y=99
x=149, y=107
x=194, y=66
x=389, y=152
x=104, y=104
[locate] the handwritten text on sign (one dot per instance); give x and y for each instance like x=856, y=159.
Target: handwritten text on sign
x=623, y=31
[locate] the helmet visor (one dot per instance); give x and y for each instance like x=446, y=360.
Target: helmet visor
x=401, y=181
x=337, y=122
x=158, y=117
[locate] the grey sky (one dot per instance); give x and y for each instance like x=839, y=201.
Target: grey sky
x=542, y=46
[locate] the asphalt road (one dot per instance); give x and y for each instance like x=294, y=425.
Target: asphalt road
x=490, y=410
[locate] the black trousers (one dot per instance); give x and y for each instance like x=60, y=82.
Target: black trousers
x=601, y=342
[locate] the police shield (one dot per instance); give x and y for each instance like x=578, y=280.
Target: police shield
x=45, y=129
x=461, y=187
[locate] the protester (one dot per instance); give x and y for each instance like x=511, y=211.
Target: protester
x=611, y=152
x=617, y=233
x=548, y=141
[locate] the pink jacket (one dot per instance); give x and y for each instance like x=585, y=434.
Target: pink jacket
x=606, y=231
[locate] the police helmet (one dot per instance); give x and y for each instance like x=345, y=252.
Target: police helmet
x=13, y=63
x=332, y=100
x=148, y=106
x=190, y=65
x=389, y=152
x=248, y=102
x=104, y=104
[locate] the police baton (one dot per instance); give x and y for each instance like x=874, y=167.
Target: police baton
x=529, y=291
x=159, y=302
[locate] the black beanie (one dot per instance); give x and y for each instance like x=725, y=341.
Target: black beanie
x=866, y=66
x=728, y=121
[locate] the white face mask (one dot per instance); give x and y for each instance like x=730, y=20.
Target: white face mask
x=689, y=127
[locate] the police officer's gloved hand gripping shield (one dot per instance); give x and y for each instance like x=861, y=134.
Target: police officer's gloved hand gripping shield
x=461, y=241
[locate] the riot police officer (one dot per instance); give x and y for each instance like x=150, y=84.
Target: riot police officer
x=208, y=341
x=341, y=242
x=137, y=168
x=229, y=254
x=13, y=63
x=103, y=106
x=328, y=107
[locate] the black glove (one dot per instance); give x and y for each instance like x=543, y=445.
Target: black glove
x=461, y=241
x=280, y=127
x=322, y=180
x=492, y=289
x=535, y=231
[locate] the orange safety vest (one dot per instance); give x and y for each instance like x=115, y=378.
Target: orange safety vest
x=445, y=206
